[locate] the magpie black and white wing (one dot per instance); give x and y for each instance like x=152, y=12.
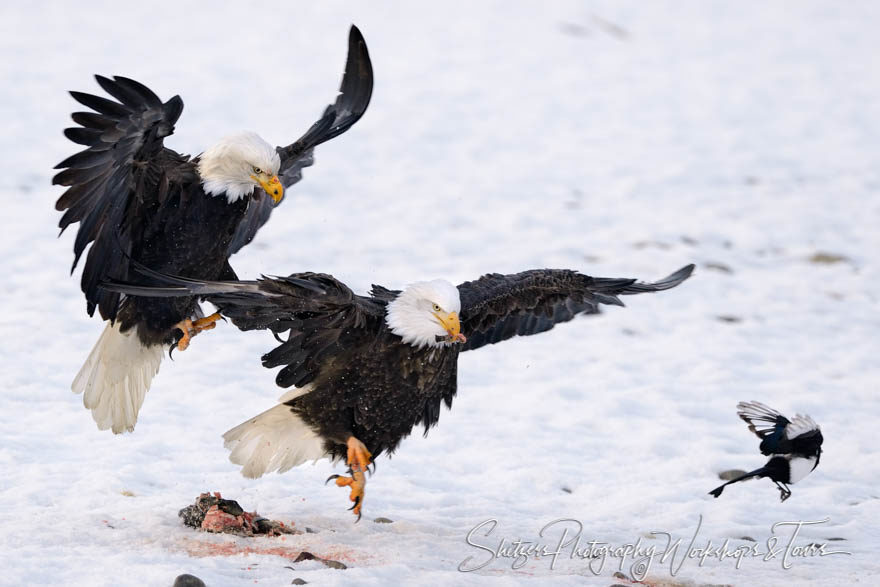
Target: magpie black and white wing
x=800, y=426
x=354, y=97
x=804, y=435
x=778, y=434
x=123, y=171
x=497, y=307
x=763, y=420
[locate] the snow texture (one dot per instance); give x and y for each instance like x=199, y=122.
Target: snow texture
x=617, y=138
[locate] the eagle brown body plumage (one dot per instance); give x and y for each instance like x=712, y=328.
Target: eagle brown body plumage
x=137, y=201
x=378, y=396
x=357, y=377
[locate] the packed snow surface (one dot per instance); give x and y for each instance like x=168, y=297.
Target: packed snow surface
x=621, y=139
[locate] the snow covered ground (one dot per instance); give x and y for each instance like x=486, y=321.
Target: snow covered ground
x=617, y=138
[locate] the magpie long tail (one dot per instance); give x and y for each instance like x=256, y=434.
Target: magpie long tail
x=756, y=473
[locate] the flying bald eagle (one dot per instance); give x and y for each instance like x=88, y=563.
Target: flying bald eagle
x=368, y=369
x=137, y=200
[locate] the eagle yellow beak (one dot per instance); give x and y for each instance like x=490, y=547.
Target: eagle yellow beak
x=272, y=186
x=452, y=325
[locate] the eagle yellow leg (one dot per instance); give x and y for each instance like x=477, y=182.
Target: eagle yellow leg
x=185, y=326
x=206, y=323
x=359, y=459
x=190, y=328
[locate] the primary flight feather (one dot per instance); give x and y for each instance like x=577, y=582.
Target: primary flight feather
x=137, y=201
x=368, y=369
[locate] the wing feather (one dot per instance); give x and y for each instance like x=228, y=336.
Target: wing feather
x=497, y=307
x=124, y=142
x=320, y=315
x=351, y=103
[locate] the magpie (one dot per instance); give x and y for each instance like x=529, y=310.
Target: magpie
x=794, y=446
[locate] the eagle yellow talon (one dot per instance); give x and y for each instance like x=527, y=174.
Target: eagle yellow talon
x=359, y=459
x=206, y=323
x=190, y=328
x=358, y=483
x=185, y=326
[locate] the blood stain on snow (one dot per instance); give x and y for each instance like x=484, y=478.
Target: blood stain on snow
x=201, y=549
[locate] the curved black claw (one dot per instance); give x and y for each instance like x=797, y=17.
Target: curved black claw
x=373, y=471
x=331, y=478
x=171, y=350
x=357, y=500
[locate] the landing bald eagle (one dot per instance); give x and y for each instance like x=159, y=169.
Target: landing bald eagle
x=137, y=200
x=368, y=369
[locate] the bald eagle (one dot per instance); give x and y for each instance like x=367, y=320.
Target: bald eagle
x=136, y=200
x=366, y=370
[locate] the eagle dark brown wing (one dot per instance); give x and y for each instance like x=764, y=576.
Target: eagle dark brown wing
x=350, y=105
x=497, y=307
x=321, y=315
x=124, y=172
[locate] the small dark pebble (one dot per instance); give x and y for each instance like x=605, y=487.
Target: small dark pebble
x=617, y=585
x=573, y=29
x=310, y=531
x=749, y=538
x=298, y=581
x=689, y=241
x=606, y=26
x=836, y=539
x=305, y=556
x=188, y=581
x=655, y=244
x=383, y=521
x=717, y=266
x=729, y=318
x=822, y=258
x=566, y=489
x=619, y=575
x=730, y=474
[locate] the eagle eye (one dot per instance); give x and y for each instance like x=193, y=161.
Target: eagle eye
x=257, y=170
x=436, y=308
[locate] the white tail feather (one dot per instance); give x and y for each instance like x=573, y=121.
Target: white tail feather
x=115, y=378
x=277, y=439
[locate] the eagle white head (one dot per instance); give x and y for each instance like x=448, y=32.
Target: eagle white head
x=237, y=164
x=426, y=314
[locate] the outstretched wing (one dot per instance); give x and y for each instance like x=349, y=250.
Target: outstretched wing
x=108, y=181
x=805, y=436
x=321, y=315
x=768, y=425
x=497, y=307
x=800, y=426
x=350, y=105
